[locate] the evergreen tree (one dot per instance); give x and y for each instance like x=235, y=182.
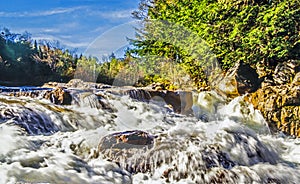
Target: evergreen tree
x=235, y=30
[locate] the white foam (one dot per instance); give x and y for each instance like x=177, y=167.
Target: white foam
x=70, y=155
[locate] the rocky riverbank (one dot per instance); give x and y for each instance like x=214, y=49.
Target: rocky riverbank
x=279, y=98
x=275, y=93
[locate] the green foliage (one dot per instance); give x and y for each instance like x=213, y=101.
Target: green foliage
x=30, y=63
x=25, y=63
x=234, y=30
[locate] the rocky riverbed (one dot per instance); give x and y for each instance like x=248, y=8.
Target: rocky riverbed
x=83, y=132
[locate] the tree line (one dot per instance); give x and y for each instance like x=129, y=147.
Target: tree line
x=177, y=37
x=24, y=61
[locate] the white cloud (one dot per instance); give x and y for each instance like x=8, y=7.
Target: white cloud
x=50, y=30
x=117, y=14
x=65, y=42
x=55, y=11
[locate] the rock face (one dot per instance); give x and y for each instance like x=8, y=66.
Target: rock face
x=280, y=102
x=285, y=72
x=237, y=81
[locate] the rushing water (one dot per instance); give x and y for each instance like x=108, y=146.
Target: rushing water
x=225, y=142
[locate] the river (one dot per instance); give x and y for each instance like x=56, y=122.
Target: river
x=224, y=142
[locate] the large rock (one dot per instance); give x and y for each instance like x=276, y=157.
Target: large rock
x=280, y=106
x=280, y=103
x=127, y=149
x=239, y=80
x=59, y=96
x=181, y=101
x=126, y=140
x=138, y=151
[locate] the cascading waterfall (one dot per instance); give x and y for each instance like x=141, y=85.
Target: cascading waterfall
x=225, y=142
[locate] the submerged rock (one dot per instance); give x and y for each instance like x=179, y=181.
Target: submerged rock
x=33, y=121
x=127, y=148
x=206, y=105
x=138, y=151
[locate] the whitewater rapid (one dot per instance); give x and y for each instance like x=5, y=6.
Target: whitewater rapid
x=41, y=142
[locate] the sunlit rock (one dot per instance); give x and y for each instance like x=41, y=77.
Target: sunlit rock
x=279, y=106
x=80, y=84
x=296, y=80
x=59, y=96
x=237, y=81
x=285, y=72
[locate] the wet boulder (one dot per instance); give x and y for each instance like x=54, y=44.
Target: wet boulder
x=59, y=96
x=181, y=101
x=127, y=149
x=138, y=151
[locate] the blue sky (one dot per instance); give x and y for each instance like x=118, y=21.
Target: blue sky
x=75, y=23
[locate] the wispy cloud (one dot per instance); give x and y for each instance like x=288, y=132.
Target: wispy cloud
x=55, y=11
x=117, y=14
x=65, y=42
x=50, y=30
